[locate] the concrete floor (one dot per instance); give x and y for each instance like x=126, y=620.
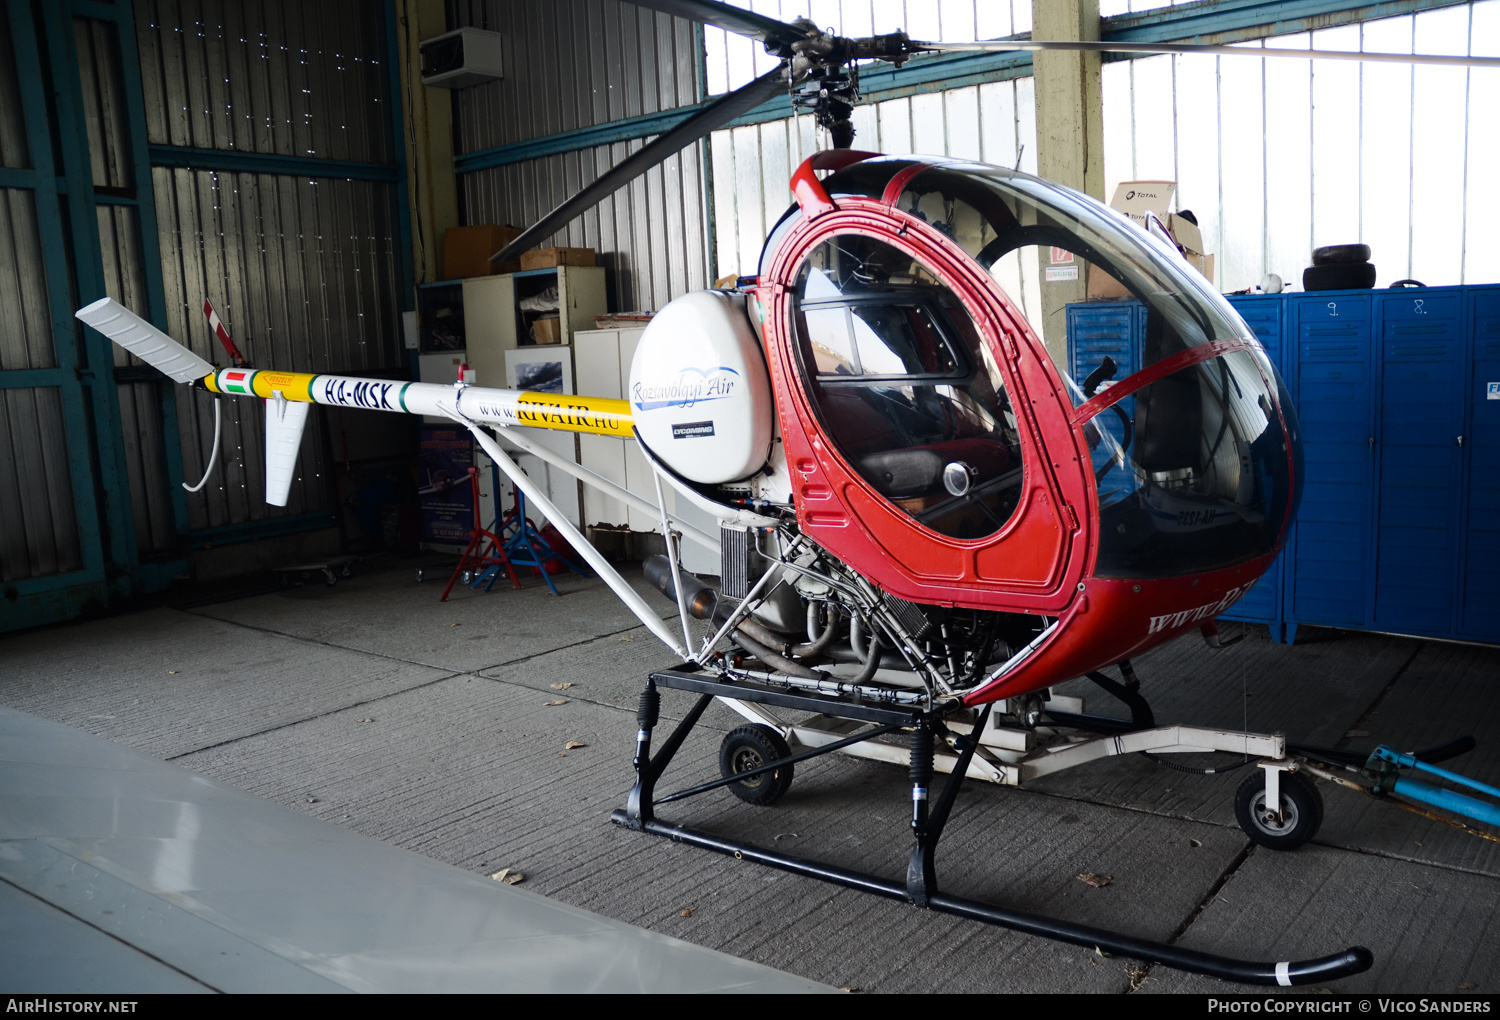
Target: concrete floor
x=424, y=724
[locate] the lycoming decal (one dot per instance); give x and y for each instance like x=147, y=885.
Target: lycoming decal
x=691, y=386
x=693, y=430
x=1173, y=620
x=376, y=396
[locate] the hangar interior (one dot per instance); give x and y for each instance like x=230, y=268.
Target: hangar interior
x=319, y=176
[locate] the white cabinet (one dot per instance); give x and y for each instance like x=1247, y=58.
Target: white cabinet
x=602, y=357
x=499, y=344
x=494, y=324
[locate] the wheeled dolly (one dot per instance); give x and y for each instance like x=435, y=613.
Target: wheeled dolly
x=301, y=573
x=757, y=763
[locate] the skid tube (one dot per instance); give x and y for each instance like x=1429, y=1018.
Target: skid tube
x=920, y=887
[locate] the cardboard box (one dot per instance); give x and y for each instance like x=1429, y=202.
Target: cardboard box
x=547, y=330
x=467, y=250
x=1136, y=198
x=1186, y=233
x=1103, y=287
x=548, y=258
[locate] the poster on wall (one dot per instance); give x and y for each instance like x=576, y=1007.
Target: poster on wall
x=547, y=369
x=445, y=453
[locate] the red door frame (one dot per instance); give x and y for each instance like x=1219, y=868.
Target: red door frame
x=844, y=514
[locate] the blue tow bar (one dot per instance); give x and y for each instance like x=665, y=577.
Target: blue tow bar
x=1447, y=800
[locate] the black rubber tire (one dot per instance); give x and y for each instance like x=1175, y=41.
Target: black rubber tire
x=1339, y=254
x=750, y=747
x=1402, y=284
x=1339, y=276
x=1301, y=811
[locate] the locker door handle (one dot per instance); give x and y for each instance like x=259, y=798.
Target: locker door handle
x=1460, y=440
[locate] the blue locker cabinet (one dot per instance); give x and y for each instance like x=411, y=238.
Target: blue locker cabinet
x=1103, y=329
x=1262, y=603
x=1479, y=587
x=1419, y=437
x=1330, y=384
x=1398, y=393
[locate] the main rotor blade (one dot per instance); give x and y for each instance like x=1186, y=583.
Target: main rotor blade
x=730, y=19
x=1229, y=51
x=713, y=116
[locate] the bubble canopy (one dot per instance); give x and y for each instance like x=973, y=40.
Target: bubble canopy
x=1196, y=455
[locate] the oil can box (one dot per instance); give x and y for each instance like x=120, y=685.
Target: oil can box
x=549, y=258
x=467, y=250
x=1136, y=198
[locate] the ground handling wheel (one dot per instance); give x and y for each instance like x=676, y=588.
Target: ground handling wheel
x=1301, y=811
x=750, y=747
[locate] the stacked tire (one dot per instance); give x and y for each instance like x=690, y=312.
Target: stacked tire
x=1340, y=267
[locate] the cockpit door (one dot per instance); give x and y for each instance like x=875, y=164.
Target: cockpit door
x=929, y=446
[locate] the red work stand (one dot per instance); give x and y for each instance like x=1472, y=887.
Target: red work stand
x=485, y=553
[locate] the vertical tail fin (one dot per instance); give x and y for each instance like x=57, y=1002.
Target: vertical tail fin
x=284, y=422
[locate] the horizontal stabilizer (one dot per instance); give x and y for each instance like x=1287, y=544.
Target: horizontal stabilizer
x=144, y=340
x=284, y=421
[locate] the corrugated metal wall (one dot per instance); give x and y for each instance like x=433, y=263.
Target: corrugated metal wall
x=304, y=273
x=303, y=270
x=287, y=77
x=101, y=87
x=39, y=535
x=577, y=63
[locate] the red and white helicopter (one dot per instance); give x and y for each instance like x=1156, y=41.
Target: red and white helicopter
x=923, y=526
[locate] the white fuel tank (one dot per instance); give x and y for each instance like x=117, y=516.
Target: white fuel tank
x=699, y=392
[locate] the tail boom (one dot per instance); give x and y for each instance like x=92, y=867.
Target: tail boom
x=592, y=415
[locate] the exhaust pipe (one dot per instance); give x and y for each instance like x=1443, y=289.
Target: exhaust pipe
x=703, y=604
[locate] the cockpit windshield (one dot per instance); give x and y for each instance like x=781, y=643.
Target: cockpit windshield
x=1195, y=465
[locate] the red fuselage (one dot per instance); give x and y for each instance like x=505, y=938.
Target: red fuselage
x=1045, y=558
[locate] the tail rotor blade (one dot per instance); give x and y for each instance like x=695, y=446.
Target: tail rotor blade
x=713, y=116
x=217, y=325
x=144, y=340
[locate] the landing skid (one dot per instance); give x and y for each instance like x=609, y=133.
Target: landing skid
x=920, y=888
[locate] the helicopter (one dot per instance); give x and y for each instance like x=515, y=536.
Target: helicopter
x=924, y=527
